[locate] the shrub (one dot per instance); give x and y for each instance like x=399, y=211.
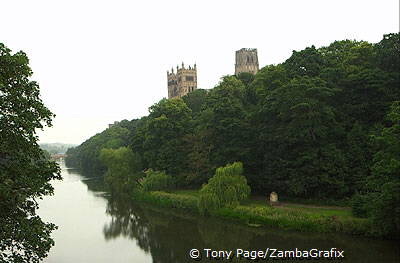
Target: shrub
x=225, y=189
x=156, y=181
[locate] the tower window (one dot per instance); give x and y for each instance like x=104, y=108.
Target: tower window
x=189, y=78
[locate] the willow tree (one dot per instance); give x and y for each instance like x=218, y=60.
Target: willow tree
x=225, y=189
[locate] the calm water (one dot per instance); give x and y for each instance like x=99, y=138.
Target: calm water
x=94, y=228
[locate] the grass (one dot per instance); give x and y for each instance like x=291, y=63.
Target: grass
x=344, y=212
x=195, y=193
x=168, y=200
x=297, y=219
x=257, y=212
x=320, y=211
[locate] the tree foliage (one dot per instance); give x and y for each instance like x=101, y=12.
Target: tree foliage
x=381, y=195
x=124, y=169
x=195, y=100
x=302, y=128
x=226, y=188
x=25, y=172
x=160, y=137
x=87, y=155
x=156, y=181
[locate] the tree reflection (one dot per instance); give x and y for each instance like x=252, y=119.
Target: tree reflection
x=169, y=236
x=127, y=221
x=168, y=239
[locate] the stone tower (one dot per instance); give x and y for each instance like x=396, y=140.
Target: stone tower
x=182, y=82
x=246, y=61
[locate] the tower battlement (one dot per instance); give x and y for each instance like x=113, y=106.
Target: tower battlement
x=181, y=82
x=246, y=61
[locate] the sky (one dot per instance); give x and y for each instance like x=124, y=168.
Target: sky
x=102, y=61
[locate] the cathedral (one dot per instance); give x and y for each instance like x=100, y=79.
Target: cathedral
x=181, y=82
x=184, y=80
x=246, y=61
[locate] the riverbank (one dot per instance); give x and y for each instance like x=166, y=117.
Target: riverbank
x=256, y=213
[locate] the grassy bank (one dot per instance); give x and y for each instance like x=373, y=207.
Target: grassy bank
x=296, y=219
x=168, y=200
x=257, y=213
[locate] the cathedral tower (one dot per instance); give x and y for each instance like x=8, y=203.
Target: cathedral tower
x=182, y=82
x=246, y=61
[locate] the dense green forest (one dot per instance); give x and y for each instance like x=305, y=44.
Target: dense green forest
x=324, y=124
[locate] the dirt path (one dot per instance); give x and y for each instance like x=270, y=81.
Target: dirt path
x=300, y=205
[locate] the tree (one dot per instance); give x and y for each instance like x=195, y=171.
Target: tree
x=388, y=52
x=226, y=188
x=246, y=78
x=124, y=169
x=381, y=197
x=86, y=156
x=159, y=140
x=299, y=133
x=195, y=100
x=25, y=172
x=307, y=62
x=156, y=181
x=198, y=162
x=224, y=121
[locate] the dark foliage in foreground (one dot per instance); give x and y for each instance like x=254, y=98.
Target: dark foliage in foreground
x=25, y=170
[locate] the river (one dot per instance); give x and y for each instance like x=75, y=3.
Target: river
x=95, y=228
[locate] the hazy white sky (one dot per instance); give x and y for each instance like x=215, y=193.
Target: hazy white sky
x=101, y=61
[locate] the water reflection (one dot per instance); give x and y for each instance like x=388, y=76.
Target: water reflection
x=78, y=207
x=117, y=230
x=169, y=236
x=127, y=222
